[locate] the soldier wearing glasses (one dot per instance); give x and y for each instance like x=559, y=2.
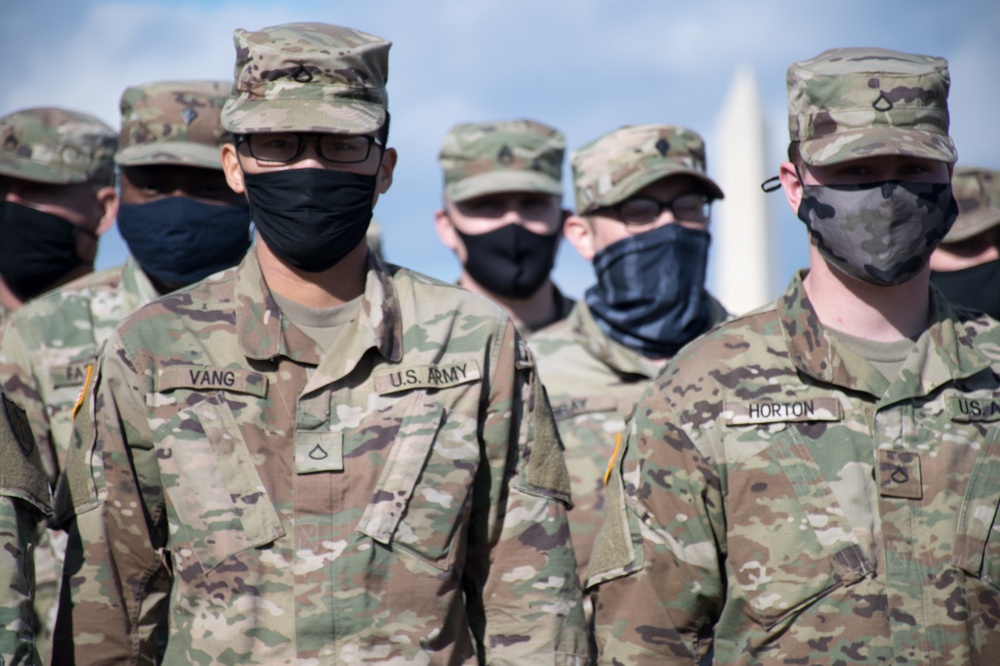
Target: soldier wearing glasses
x=317, y=457
x=643, y=203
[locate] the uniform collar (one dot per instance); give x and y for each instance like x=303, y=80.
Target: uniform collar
x=945, y=352
x=264, y=334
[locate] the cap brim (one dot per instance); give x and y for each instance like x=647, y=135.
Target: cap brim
x=877, y=142
x=171, y=153
x=40, y=173
x=502, y=181
x=972, y=223
x=630, y=186
x=244, y=116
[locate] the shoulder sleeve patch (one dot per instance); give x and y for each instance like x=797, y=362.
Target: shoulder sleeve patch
x=394, y=380
x=207, y=378
x=751, y=412
x=546, y=468
x=21, y=473
x=618, y=549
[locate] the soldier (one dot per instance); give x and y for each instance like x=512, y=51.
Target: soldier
x=817, y=482
x=502, y=215
x=181, y=223
x=966, y=266
x=25, y=501
x=643, y=203
x=317, y=456
x=57, y=178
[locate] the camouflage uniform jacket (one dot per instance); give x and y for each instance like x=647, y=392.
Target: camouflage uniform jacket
x=779, y=493
x=24, y=501
x=46, y=346
x=400, y=498
x=593, y=383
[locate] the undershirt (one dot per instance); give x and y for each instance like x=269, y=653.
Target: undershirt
x=323, y=325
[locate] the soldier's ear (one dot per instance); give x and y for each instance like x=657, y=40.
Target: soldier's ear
x=790, y=183
x=232, y=169
x=446, y=231
x=580, y=235
x=385, y=170
x=107, y=199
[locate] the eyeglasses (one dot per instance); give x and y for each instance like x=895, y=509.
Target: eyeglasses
x=639, y=211
x=283, y=147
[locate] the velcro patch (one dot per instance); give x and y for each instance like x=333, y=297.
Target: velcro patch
x=767, y=411
x=589, y=405
x=73, y=374
x=205, y=377
x=18, y=425
x=974, y=409
x=318, y=452
x=899, y=474
x=426, y=376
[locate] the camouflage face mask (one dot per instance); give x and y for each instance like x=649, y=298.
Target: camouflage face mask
x=881, y=233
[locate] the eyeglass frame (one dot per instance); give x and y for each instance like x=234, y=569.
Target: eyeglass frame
x=663, y=205
x=301, y=140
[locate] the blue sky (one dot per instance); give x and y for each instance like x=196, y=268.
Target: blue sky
x=584, y=66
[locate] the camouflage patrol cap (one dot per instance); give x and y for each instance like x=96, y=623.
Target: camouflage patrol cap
x=173, y=122
x=978, y=193
x=847, y=104
x=308, y=77
x=505, y=156
x=57, y=146
x=615, y=166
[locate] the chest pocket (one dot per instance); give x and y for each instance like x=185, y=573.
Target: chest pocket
x=220, y=501
x=422, y=498
x=977, y=544
x=789, y=542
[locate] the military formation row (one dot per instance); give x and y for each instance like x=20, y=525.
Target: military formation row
x=256, y=442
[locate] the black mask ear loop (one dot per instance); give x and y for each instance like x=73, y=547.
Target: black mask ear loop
x=771, y=184
x=774, y=182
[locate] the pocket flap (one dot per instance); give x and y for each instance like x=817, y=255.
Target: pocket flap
x=401, y=472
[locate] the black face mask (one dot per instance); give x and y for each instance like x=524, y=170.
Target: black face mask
x=311, y=218
x=36, y=249
x=179, y=241
x=510, y=261
x=977, y=287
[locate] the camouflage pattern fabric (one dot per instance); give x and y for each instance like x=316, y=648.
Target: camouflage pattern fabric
x=308, y=77
x=25, y=501
x=977, y=191
x=615, y=166
x=779, y=495
x=173, y=122
x=504, y=156
x=400, y=498
x=593, y=384
x=851, y=103
x=46, y=347
x=58, y=146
